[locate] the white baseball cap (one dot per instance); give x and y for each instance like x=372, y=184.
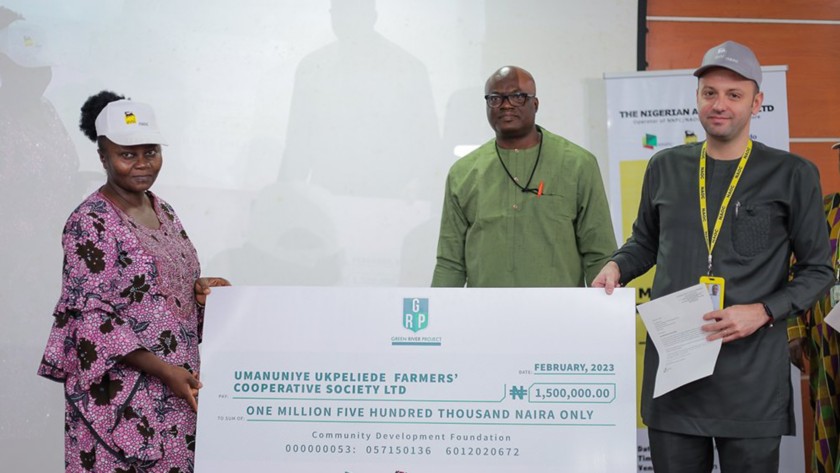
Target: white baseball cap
x=129, y=123
x=835, y=146
x=25, y=44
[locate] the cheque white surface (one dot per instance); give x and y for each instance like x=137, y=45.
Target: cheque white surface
x=417, y=380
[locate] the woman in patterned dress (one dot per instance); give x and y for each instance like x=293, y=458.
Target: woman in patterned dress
x=127, y=325
x=811, y=335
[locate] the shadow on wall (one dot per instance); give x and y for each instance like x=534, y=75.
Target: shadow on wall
x=39, y=185
x=362, y=120
x=291, y=240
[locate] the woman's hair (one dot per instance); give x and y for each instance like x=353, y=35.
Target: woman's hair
x=91, y=109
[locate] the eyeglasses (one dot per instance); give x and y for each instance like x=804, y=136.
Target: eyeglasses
x=517, y=100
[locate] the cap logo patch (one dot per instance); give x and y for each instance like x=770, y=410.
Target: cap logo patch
x=130, y=118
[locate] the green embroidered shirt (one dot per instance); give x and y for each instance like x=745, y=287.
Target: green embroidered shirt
x=492, y=234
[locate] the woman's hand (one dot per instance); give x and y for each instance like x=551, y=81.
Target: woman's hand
x=203, y=285
x=183, y=384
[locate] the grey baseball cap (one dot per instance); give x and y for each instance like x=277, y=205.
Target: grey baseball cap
x=733, y=56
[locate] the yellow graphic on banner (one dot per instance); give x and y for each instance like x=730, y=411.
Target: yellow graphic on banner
x=632, y=175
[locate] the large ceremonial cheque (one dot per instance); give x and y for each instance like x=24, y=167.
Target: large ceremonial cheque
x=417, y=380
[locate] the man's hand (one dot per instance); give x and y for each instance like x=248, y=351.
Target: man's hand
x=203, y=285
x=735, y=322
x=608, y=277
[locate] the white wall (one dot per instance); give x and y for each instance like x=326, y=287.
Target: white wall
x=305, y=148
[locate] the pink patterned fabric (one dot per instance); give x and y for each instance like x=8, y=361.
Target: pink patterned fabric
x=125, y=287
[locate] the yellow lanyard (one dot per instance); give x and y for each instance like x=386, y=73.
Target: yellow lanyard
x=704, y=215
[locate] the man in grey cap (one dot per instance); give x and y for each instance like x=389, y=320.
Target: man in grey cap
x=732, y=211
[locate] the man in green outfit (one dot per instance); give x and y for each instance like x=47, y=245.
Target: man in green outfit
x=526, y=209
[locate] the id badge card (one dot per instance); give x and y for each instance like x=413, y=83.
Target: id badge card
x=835, y=294
x=715, y=285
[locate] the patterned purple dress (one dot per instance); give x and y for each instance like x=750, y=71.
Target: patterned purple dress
x=125, y=286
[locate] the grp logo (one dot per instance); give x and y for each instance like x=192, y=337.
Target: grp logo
x=415, y=313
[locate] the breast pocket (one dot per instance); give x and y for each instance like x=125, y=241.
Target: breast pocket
x=554, y=208
x=557, y=215
x=754, y=226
